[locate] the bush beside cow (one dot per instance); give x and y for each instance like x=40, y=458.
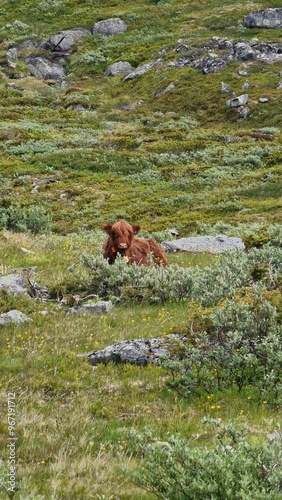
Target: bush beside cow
x=121, y=240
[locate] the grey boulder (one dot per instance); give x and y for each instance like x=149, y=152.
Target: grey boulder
x=266, y=18
x=139, y=351
x=118, y=68
x=13, y=283
x=14, y=316
x=65, y=40
x=43, y=69
x=109, y=27
x=210, y=244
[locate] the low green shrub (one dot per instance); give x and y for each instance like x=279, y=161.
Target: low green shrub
x=270, y=130
x=185, y=123
x=3, y=218
x=243, y=347
x=234, y=468
x=35, y=219
x=156, y=284
x=16, y=219
x=208, y=286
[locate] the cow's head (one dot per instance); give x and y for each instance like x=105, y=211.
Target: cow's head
x=121, y=234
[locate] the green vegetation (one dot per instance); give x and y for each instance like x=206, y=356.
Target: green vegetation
x=232, y=469
x=98, y=149
x=173, y=158
x=34, y=219
x=73, y=420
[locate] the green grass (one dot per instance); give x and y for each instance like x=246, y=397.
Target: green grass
x=90, y=154
x=73, y=419
x=180, y=159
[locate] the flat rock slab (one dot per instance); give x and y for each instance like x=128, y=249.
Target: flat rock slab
x=139, y=351
x=13, y=283
x=142, y=69
x=210, y=244
x=14, y=316
x=102, y=307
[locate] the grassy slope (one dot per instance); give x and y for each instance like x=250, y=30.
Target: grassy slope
x=72, y=419
x=92, y=154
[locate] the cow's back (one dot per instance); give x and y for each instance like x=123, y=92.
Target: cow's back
x=140, y=251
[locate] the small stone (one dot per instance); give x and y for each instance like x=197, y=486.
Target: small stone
x=64, y=84
x=246, y=85
x=26, y=250
x=173, y=231
x=225, y=89
x=244, y=111
x=12, y=53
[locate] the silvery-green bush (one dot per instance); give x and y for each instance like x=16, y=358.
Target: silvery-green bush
x=234, y=468
x=208, y=286
x=34, y=219
x=241, y=348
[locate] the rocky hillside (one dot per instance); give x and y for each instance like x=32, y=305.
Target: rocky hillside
x=160, y=112
x=168, y=114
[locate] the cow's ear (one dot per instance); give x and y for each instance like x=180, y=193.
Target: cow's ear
x=107, y=228
x=136, y=228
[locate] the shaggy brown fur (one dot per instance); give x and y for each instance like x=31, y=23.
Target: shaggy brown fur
x=121, y=240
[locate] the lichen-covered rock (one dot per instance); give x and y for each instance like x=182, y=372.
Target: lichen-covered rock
x=118, y=68
x=219, y=52
x=243, y=51
x=102, y=307
x=14, y=316
x=211, y=244
x=44, y=69
x=238, y=101
x=140, y=351
x=65, y=40
x=110, y=27
x=13, y=283
x=142, y=69
x=12, y=53
x=266, y=18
